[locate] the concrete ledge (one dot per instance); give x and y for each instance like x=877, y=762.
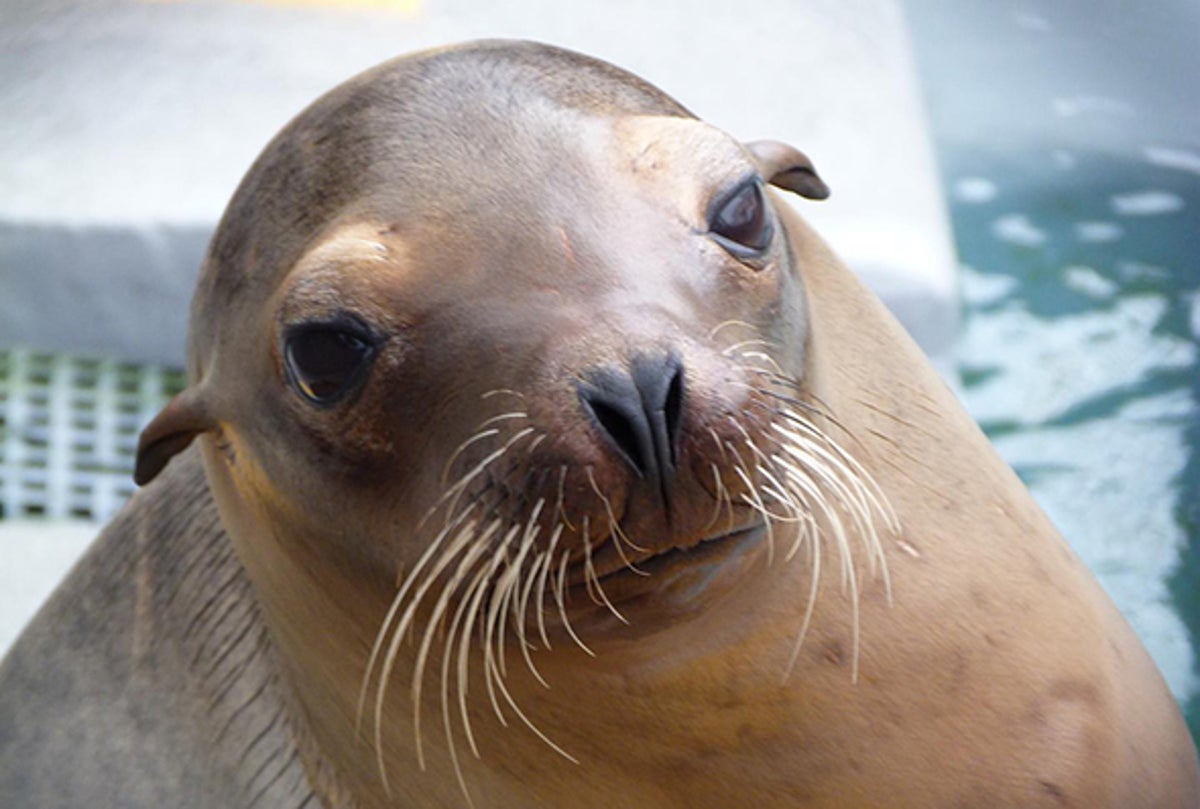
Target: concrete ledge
x=34, y=557
x=128, y=124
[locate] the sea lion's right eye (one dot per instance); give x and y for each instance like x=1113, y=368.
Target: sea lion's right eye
x=739, y=222
x=326, y=361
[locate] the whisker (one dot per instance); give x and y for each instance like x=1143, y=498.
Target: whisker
x=860, y=475
x=475, y=598
x=490, y=665
x=522, y=592
x=395, y=607
x=503, y=391
x=461, y=540
x=477, y=583
x=466, y=480
x=755, y=501
x=735, y=348
x=532, y=727
x=475, y=550
x=589, y=570
x=479, y=436
x=717, y=329
x=813, y=588
x=560, y=514
x=615, y=527
x=548, y=557
x=760, y=355
x=849, y=578
x=465, y=612
x=509, y=416
x=718, y=488
x=560, y=598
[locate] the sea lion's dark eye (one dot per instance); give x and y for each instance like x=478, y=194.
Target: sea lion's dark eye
x=325, y=361
x=739, y=222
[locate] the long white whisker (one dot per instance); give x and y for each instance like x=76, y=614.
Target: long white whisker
x=560, y=515
x=542, y=581
x=461, y=540
x=479, y=436
x=521, y=594
x=560, y=598
x=490, y=668
x=458, y=488
x=589, y=570
x=615, y=528
x=395, y=607
x=474, y=552
x=477, y=583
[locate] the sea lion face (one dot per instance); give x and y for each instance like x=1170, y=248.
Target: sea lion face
x=557, y=331
x=491, y=354
x=523, y=352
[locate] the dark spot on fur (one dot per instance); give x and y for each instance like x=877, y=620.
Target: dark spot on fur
x=1053, y=790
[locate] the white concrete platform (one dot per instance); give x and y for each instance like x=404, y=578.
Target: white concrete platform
x=34, y=557
x=128, y=124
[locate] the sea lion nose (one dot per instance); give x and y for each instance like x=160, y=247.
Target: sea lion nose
x=639, y=411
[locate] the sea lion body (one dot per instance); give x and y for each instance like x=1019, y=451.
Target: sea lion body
x=550, y=460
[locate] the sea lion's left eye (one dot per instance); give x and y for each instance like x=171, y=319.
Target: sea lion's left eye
x=325, y=361
x=739, y=222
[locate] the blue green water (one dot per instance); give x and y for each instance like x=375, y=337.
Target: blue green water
x=1070, y=155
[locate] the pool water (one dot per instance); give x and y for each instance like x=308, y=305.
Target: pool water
x=1077, y=221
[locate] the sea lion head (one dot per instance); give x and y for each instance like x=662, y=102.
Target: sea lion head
x=501, y=330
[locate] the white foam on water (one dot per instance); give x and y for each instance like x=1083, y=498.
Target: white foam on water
x=1167, y=157
x=1194, y=319
x=984, y=290
x=974, y=190
x=1098, y=231
x=1146, y=203
x=1016, y=229
x=1137, y=271
x=1089, y=282
x=1042, y=375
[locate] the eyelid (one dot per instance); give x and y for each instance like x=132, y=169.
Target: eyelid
x=339, y=321
x=727, y=194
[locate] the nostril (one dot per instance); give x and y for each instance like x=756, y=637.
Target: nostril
x=672, y=412
x=640, y=411
x=620, y=429
x=659, y=381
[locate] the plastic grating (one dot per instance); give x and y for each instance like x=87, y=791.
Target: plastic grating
x=68, y=431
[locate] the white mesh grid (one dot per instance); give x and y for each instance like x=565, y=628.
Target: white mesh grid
x=68, y=431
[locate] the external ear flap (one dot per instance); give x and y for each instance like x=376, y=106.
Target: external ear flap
x=788, y=168
x=168, y=434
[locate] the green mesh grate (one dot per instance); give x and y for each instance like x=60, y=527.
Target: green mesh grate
x=68, y=431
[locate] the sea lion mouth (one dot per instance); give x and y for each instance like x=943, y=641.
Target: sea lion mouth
x=685, y=569
x=662, y=561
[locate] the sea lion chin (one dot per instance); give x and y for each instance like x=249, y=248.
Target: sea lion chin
x=546, y=457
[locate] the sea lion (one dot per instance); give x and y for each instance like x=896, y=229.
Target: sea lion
x=545, y=457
